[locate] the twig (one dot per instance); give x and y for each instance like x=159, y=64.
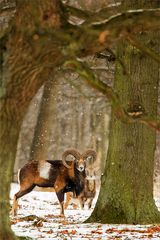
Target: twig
x=83, y=14
x=86, y=73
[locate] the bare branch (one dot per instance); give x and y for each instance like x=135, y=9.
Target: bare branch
x=86, y=73
x=78, y=12
x=140, y=19
x=117, y=26
x=153, y=122
x=7, y=6
x=90, y=16
x=103, y=14
x=97, y=36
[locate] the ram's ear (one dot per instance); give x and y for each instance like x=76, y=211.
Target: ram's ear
x=90, y=154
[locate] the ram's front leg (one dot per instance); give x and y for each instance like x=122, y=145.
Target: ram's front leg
x=81, y=201
x=60, y=196
x=59, y=187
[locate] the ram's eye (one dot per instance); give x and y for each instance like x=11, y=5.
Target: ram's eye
x=89, y=158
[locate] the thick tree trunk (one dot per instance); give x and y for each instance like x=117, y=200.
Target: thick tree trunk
x=9, y=131
x=126, y=194
x=24, y=67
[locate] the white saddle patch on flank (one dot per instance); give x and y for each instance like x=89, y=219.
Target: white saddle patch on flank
x=44, y=170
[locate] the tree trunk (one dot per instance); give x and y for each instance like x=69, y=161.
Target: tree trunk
x=9, y=131
x=24, y=66
x=126, y=194
x=39, y=148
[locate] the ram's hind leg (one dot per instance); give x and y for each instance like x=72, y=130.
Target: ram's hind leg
x=90, y=203
x=14, y=206
x=19, y=194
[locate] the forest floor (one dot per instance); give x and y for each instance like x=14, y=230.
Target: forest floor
x=38, y=218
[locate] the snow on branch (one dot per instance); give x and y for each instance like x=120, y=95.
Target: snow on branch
x=78, y=12
x=86, y=73
x=90, y=16
x=98, y=35
x=148, y=17
x=117, y=26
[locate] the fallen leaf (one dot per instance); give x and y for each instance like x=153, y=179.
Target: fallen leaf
x=50, y=231
x=154, y=229
x=96, y=231
x=64, y=231
x=73, y=232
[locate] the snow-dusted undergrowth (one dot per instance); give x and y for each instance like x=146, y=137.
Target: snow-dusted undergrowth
x=39, y=218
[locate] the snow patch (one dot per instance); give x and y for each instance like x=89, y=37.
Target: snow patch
x=47, y=224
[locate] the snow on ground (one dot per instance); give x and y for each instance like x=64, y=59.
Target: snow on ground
x=38, y=218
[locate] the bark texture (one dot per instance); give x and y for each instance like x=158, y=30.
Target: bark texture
x=126, y=194
x=8, y=127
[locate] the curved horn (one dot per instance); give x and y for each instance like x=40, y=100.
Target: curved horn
x=72, y=152
x=90, y=152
